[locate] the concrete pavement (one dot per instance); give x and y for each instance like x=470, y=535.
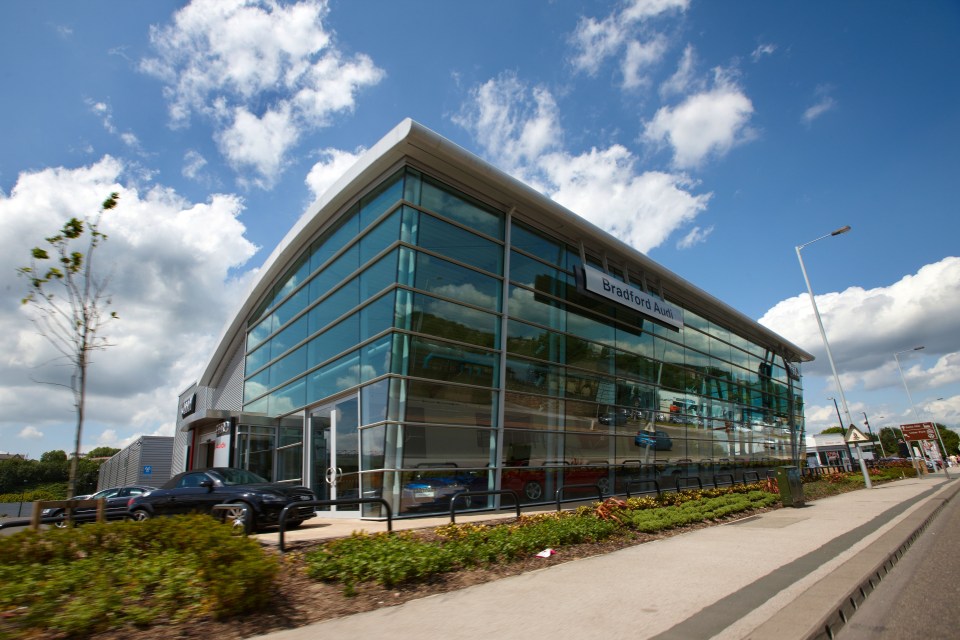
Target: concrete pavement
x=789, y=573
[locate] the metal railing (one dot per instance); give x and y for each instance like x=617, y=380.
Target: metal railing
x=755, y=473
x=560, y=491
x=330, y=503
x=469, y=494
x=685, y=478
x=656, y=485
x=717, y=476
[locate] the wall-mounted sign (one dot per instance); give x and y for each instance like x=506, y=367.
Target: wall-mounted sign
x=600, y=283
x=223, y=429
x=188, y=406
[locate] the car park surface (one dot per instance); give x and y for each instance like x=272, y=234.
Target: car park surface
x=258, y=501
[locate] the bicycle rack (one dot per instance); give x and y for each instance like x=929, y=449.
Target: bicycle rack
x=578, y=486
x=329, y=503
x=754, y=473
x=656, y=486
x=685, y=478
x=467, y=494
x=717, y=476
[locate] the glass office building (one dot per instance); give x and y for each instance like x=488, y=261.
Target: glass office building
x=433, y=326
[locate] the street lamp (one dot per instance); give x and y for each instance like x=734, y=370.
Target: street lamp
x=823, y=335
x=896, y=357
x=842, y=430
x=870, y=431
x=816, y=313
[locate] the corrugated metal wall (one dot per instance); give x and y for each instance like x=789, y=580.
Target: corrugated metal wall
x=130, y=465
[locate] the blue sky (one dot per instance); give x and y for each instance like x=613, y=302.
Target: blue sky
x=714, y=137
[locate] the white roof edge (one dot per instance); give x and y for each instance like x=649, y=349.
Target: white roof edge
x=405, y=139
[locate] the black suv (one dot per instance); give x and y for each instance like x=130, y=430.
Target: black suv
x=258, y=501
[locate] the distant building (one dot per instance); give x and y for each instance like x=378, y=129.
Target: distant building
x=11, y=456
x=831, y=450
x=145, y=462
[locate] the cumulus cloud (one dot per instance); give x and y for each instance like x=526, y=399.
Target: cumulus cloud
x=332, y=165
x=170, y=264
x=683, y=78
x=595, y=40
x=899, y=317
x=695, y=236
x=704, y=125
x=518, y=127
x=30, y=433
x=262, y=73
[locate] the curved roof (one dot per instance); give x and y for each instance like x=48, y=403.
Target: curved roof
x=423, y=147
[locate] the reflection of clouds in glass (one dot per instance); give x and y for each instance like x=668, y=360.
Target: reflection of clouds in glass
x=253, y=389
x=355, y=374
x=523, y=305
x=466, y=293
x=472, y=318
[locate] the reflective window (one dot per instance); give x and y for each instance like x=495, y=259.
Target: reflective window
x=522, y=237
x=460, y=208
x=450, y=320
x=449, y=240
x=527, y=340
x=449, y=280
x=438, y=403
x=453, y=363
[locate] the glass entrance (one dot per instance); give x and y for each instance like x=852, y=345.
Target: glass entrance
x=333, y=465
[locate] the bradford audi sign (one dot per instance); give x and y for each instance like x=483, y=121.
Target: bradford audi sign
x=600, y=283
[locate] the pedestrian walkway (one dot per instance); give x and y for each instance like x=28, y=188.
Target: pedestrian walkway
x=783, y=574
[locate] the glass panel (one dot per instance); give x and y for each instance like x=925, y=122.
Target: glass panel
x=527, y=305
x=373, y=205
x=287, y=399
x=378, y=276
x=256, y=360
x=289, y=337
x=291, y=307
x=372, y=447
x=443, y=278
x=588, y=355
x=533, y=243
x=255, y=450
x=346, y=298
x=454, y=447
x=335, y=273
x=450, y=320
x=525, y=339
x=453, y=363
x=377, y=316
x=290, y=366
x=533, y=377
x=324, y=248
x=337, y=339
x=374, y=400
x=379, y=238
x=458, y=207
x=256, y=386
x=452, y=241
x=536, y=275
x=438, y=403
x=290, y=452
x=525, y=411
x=347, y=451
x=375, y=359
x=337, y=376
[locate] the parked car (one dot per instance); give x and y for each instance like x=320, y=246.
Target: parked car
x=116, y=504
x=530, y=484
x=258, y=501
x=661, y=440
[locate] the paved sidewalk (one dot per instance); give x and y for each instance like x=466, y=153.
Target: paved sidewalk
x=780, y=575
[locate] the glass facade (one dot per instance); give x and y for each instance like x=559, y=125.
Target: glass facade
x=474, y=361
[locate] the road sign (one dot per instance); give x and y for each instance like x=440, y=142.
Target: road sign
x=147, y=470
x=855, y=436
x=919, y=431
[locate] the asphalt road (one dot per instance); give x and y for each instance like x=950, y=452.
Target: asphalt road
x=920, y=598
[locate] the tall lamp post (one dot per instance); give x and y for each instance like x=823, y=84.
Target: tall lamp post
x=896, y=357
x=842, y=430
x=826, y=345
x=870, y=431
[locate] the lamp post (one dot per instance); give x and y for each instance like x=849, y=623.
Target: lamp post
x=842, y=430
x=896, y=357
x=870, y=431
x=826, y=345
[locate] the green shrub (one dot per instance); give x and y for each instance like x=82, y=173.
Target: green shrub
x=102, y=576
x=392, y=560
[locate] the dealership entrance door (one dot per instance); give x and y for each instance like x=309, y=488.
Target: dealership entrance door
x=333, y=465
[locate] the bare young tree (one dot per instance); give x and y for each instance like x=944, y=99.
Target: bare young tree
x=71, y=304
